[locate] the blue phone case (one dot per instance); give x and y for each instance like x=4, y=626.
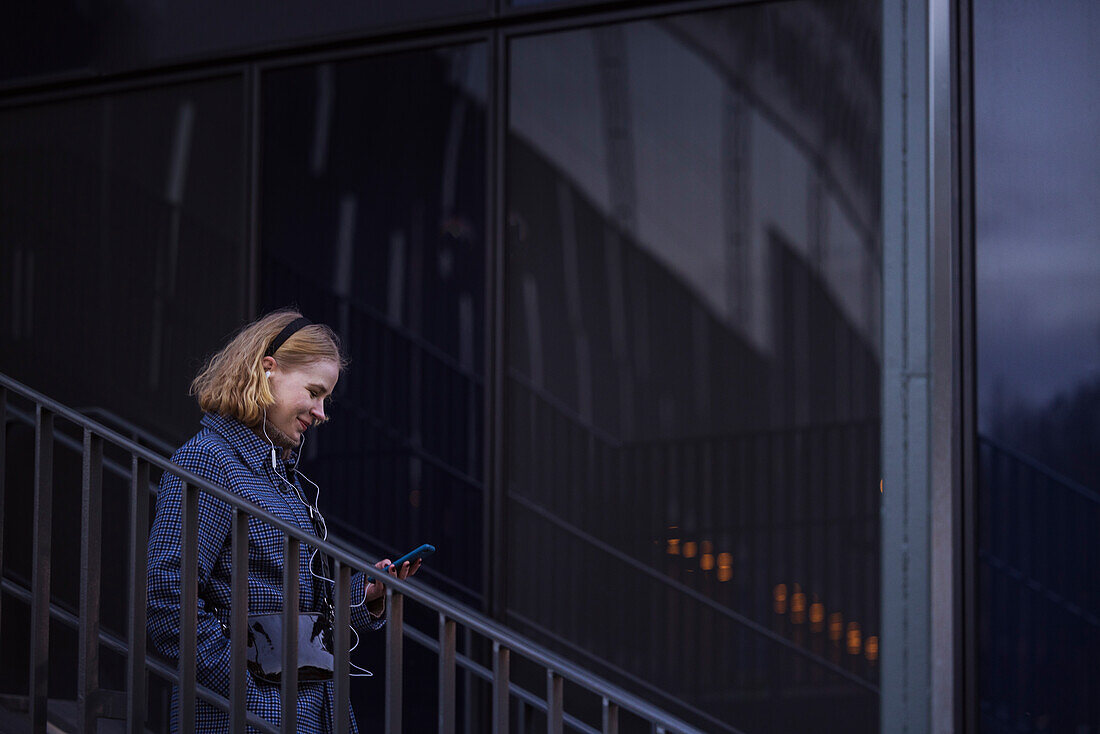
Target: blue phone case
x=424, y=550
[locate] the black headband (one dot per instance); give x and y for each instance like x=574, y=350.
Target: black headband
x=286, y=333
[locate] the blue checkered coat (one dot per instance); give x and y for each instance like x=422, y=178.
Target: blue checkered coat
x=230, y=455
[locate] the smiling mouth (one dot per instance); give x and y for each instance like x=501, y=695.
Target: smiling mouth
x=303, y=424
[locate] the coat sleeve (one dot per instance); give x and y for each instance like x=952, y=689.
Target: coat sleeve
x=361, y=618
x=165, y=566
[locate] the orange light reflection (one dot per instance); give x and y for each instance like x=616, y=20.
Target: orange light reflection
x=817, y=616
x=798, y=608
x=871, y=648
x=836, y=626
x=854, y=638
x=725, y=566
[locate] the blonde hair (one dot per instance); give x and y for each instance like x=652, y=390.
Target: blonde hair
x=232, y=383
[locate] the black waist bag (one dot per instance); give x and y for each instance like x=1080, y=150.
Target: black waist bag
x=265, y=647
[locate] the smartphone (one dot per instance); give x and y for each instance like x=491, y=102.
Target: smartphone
x=411, y=556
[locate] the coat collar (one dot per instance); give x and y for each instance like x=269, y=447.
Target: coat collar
x=255, y=451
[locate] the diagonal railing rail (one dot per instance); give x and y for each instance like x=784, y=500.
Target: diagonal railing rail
x=96, y=437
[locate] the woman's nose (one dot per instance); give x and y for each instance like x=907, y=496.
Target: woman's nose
x=318, y=411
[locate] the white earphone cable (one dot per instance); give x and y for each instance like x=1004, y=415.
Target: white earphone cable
x=314, y=508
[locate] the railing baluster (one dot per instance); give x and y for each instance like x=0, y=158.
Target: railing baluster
x=90, y=542
x=342, y=640
x=3, y=475
x=610, y=717
x=446, y=675
x=468, y=696
x=189, y=582
x=40, y=574
x=139, y=539
x=395, y=610
x=291, y=594
x=501, y=660
x=554, y=702
x=238, y=623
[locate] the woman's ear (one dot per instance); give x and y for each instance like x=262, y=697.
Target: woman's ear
x=268, y=363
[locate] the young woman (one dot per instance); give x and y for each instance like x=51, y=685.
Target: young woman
x=261, y=396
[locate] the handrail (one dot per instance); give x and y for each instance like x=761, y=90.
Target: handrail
x=486, y=674
x=123, y=472
x=136, y=430
x=504, y=640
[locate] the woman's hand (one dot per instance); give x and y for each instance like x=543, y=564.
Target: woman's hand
x=376, y=589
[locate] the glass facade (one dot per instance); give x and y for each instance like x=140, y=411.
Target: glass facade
x=1036, y=109
x=122, y=262
x=122, y=221
x=693, y=359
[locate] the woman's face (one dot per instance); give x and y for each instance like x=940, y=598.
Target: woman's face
x=300, y=394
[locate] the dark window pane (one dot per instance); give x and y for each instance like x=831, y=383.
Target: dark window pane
x=122, y=262
x=1037, y=110
x=65, y=36
x=121, y=223
x=693, y=359
x=373, y=220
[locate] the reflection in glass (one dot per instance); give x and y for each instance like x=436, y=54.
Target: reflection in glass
x=122, y=261
x=1037, y=109
x=121, y=246
x=373, y=220
x=693, y=359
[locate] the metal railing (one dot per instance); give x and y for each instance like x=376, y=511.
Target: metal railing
x=93, y=702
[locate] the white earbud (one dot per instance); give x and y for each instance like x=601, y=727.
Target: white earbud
x=268, y=374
